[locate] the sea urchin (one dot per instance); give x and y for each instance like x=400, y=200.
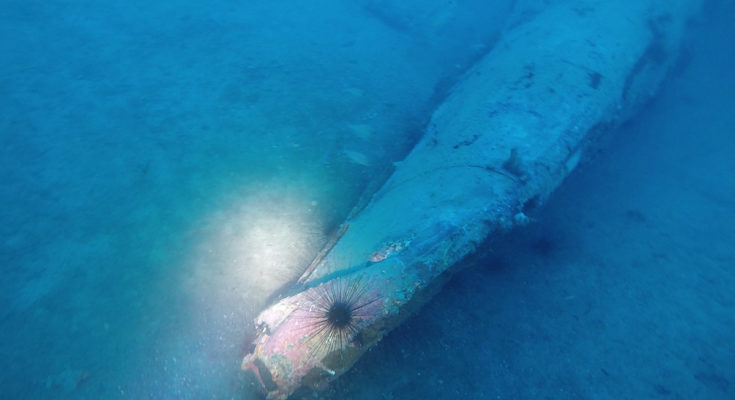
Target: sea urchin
x=333, y=314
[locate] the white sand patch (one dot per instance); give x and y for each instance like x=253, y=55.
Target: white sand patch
x=262, y=241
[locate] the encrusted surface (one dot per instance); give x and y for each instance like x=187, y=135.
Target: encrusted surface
x=503, y=140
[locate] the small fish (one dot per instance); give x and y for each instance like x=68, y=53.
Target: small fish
x=388, y=249
x=362, y=131
x=357, y=157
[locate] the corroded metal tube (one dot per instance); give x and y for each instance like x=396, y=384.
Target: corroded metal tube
x=506, y=136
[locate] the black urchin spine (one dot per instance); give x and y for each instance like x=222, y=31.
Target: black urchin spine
x=334, y=312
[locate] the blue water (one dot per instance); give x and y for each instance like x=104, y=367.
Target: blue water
x=167, y=166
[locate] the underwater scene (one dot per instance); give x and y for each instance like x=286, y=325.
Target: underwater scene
x=367, y=199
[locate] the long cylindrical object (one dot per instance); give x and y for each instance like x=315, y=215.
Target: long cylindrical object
x=507, y=135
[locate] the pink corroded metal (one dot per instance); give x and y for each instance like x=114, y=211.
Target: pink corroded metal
x=302, y=335
x=389, y=249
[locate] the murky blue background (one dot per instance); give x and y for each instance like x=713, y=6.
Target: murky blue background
x=166, y=166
